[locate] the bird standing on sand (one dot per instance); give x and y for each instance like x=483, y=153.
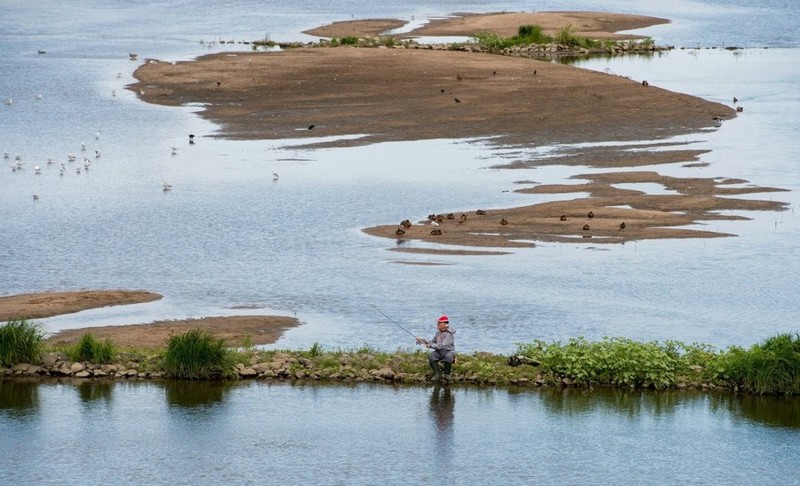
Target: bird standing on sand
x=622, y=225
x=591, y=214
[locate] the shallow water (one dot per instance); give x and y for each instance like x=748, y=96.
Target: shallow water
x=227, y=235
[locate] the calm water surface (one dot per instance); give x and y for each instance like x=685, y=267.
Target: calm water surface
x=255, y=433
x=228, y=236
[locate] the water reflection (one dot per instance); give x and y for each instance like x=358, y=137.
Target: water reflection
x=773, y=411
x=769, y=410
x=441, y=410
x=19, y=398
x=92, y=391
x=193, y=394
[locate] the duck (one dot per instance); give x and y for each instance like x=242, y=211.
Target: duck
x=504, y=221
x=622, y=225
x=586, y=227
x=563, y=217
x=405, y=223
x=590, y=215
x=462, y=218
x=399, y=232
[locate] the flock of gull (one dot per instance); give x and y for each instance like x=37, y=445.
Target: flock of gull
x=71, y=162
x=78, y=162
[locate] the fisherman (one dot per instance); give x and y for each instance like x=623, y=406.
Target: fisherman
x=442, y=349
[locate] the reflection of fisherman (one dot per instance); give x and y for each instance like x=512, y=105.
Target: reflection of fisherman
x=442, y=405
x=442, y=349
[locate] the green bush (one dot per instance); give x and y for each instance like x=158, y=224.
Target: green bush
x=491, y=42
x=20, y=342
x=195, y=355
x=611, y=361
x=349, y=40
x=772, y=367
x=531, y=34
x=91, y=349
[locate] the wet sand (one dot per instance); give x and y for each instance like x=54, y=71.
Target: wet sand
x=236, y=331
x=233, y=329
x=48, y=304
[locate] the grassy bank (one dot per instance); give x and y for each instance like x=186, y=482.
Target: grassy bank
x=770, y=367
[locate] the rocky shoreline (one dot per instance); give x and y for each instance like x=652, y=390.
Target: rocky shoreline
x=480, y=369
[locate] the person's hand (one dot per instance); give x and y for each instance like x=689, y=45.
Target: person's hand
x=422, y=341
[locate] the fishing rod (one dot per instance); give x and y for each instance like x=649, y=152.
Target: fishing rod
x=391, y=320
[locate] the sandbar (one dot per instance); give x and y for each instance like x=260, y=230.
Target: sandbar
x=234, y=330
x=48, y=304
x=401, y=94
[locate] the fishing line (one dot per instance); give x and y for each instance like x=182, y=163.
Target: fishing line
x=391, y=320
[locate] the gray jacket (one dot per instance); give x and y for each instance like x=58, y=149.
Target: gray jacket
x=444, y=340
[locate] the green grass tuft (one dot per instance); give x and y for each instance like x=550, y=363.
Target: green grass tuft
x=196, y=355
x=89, y=348
x=771, y=367
x=20, y=342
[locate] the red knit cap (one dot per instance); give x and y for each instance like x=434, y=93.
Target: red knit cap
x=443, y=319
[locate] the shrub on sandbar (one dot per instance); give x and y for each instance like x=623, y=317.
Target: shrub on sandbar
x=196, y=355
x=20, y=342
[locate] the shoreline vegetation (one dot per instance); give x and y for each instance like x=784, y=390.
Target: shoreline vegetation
x=771, y=367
